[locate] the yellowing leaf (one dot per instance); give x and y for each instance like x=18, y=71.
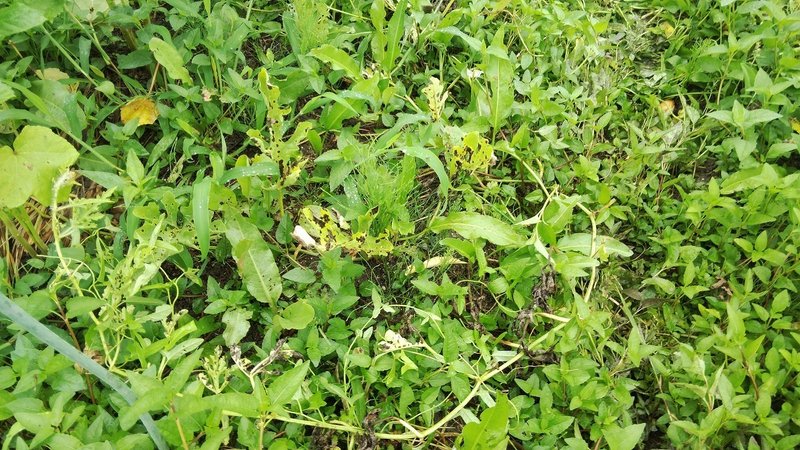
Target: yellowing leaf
x=142, y=109
x=667, y=29
x=667, y=106
x=51, y=73
x=795, y=125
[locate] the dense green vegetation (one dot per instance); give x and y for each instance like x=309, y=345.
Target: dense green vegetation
x=365, y=224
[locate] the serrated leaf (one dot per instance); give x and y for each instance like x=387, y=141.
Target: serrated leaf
x=30, y=168
x=477, y=226
x=142, y=109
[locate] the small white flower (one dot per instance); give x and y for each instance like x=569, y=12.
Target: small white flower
x=474, y=74
x=493, y=159
x=207, y=94
x=301, y=235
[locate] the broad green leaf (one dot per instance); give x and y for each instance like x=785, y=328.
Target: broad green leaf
x=338, y=59
x=80, y=306
x=751, y=178
x=434, y=163
x=154, y=399
x=23, y=15
x=89, y=10
x=31, y=167
x=473, y=43
x=180, y=374
x=623, y=438
x=169, y=57
x=605, y=246
x=492, y=431
x=297, y=316
x=258, y=269
x=285, y=387
x=300, y=275
x=757, y=116
x=474, y=226
x=722, y=116
x=201, y=191
x=237, y=324
x=234, y=402
x=239, y=229
x=6, y=93
x=261, y=168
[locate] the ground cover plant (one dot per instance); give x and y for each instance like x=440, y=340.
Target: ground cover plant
x=369, y=224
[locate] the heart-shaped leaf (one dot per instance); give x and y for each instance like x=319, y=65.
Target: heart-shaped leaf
x=30, y=168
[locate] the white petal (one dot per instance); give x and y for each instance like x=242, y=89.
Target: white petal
x=301, y=235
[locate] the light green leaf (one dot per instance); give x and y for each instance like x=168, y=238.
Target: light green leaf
x=750, y=178
x=180, y=374
x=338, y=59
x=261, y=168
x=434, y=163
x=296, y=316
x=473, y=43
x=23, y=15
x=761, y=116
x=79, y=306
x=623, y=438
x=201, y=191
x=300, y=275
x=605, y=246
x=500, y=74
x=722, y=116
x=258, y=269
x=473, y=226
x=394, y=35
x=285, y=387
x=30, y=168
x=6, y=93
x=169, y=57
x=236, y=325
x=492, y=431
